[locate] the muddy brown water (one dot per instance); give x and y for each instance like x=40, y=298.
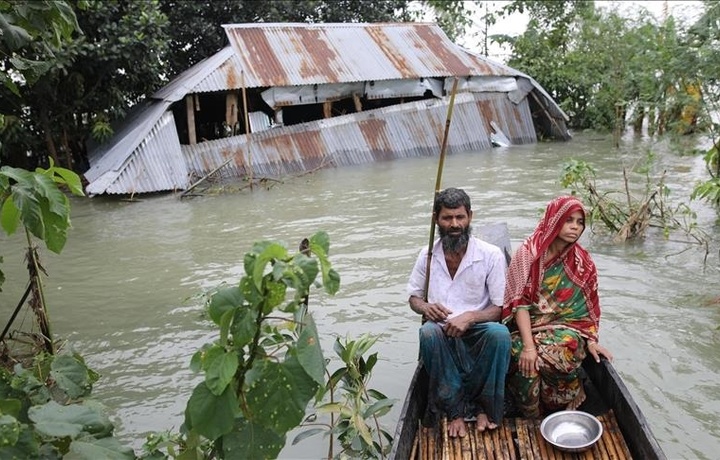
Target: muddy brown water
x=125, y=291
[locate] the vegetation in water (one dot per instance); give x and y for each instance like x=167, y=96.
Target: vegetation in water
x=34, y=202
x=260, y=375
x=630, y=210
x=611, y=71
x=352, y=407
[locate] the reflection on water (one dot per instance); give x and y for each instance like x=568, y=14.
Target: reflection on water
x=125, y=293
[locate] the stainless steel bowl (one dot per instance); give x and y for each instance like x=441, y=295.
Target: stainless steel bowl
x=571, y=430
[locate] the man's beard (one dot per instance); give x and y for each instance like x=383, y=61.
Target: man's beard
x=454, y=243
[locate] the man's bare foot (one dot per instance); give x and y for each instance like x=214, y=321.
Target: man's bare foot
x=456, y=428
x=483, y=423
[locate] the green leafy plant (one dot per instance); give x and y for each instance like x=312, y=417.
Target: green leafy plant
x=46, y=412
x=354, y=416
x=709, y=190
x=266, y=364
x=35, y=202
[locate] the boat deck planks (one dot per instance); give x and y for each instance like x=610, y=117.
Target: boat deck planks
x=524, y=434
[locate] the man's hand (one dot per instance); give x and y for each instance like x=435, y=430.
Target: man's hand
x=456, y=327
x=436, y=312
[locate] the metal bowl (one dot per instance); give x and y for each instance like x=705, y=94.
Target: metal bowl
x=571, y=430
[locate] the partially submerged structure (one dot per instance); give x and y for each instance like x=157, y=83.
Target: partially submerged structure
x=283, y=99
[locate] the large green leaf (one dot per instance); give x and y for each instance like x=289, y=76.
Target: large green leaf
x=309, y=268
x=27, y=447
x=224, y=300
x=14, y=36
x=320, y=246
x=55, y=226
x=244, y=326
x=252, y=441
x=9, y=430
x=10, y=406
x=220, y=367
x=90, y=448
x=210, y=415
x=309, y=352
x=252, y=295
x=53, y=420
x=320, y=243
x=69, y=178
x=274, y=295
x=379, y=408
x=30, y=211
x=22, y=177
x=71, y=375
x=45, y=187
x=9, y=216
x=278, y=393
x=270, y=251
x=331, y=280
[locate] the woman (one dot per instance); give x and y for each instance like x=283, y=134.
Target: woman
x=551, y=308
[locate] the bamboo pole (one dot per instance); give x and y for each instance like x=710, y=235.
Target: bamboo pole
x=430, y=452
x=17, y=310
x=445, y=440
x=247, y=128
x=438, y=182
x=547, y=114
x=202, y=179
x=418, y=436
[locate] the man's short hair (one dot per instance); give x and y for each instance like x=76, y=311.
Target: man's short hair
x=451, y=198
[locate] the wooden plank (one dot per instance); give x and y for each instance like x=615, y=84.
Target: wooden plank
x=523, y=438
x=416, y=443
x=533, y=429
x=476, y=448
x=547, y=451
x=487, y=441
x=500, y=444
x=445, y=451
x=466, y=447
x=607, y=441
x=190, y=115
x=507, y=433
x=231, y=111
x=622, y=451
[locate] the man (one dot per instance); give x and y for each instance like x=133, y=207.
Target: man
x=464, y=348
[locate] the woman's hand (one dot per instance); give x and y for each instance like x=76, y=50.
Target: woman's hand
x=529, y=364
x=596, y=350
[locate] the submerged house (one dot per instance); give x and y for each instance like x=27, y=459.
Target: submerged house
x=284, y=98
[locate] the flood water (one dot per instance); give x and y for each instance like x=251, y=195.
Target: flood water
x=125, y=291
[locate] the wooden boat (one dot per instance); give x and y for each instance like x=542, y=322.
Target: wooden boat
x=626, y=431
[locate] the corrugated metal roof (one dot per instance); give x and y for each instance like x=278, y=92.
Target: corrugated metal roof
x=155, y=165
x=407, y=130
x=132, y=132
x=145, y=154
x=219, y=72
x=287, y=54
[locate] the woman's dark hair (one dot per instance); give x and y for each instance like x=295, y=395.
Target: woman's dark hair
x=451, y=198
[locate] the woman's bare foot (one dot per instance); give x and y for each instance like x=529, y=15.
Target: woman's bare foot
x=456, y=428
x=483, y=423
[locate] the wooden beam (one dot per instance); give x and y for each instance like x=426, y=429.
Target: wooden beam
x=190, y=111
x=231, y=111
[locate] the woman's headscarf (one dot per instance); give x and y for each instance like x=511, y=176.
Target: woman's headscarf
x=525, y=273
